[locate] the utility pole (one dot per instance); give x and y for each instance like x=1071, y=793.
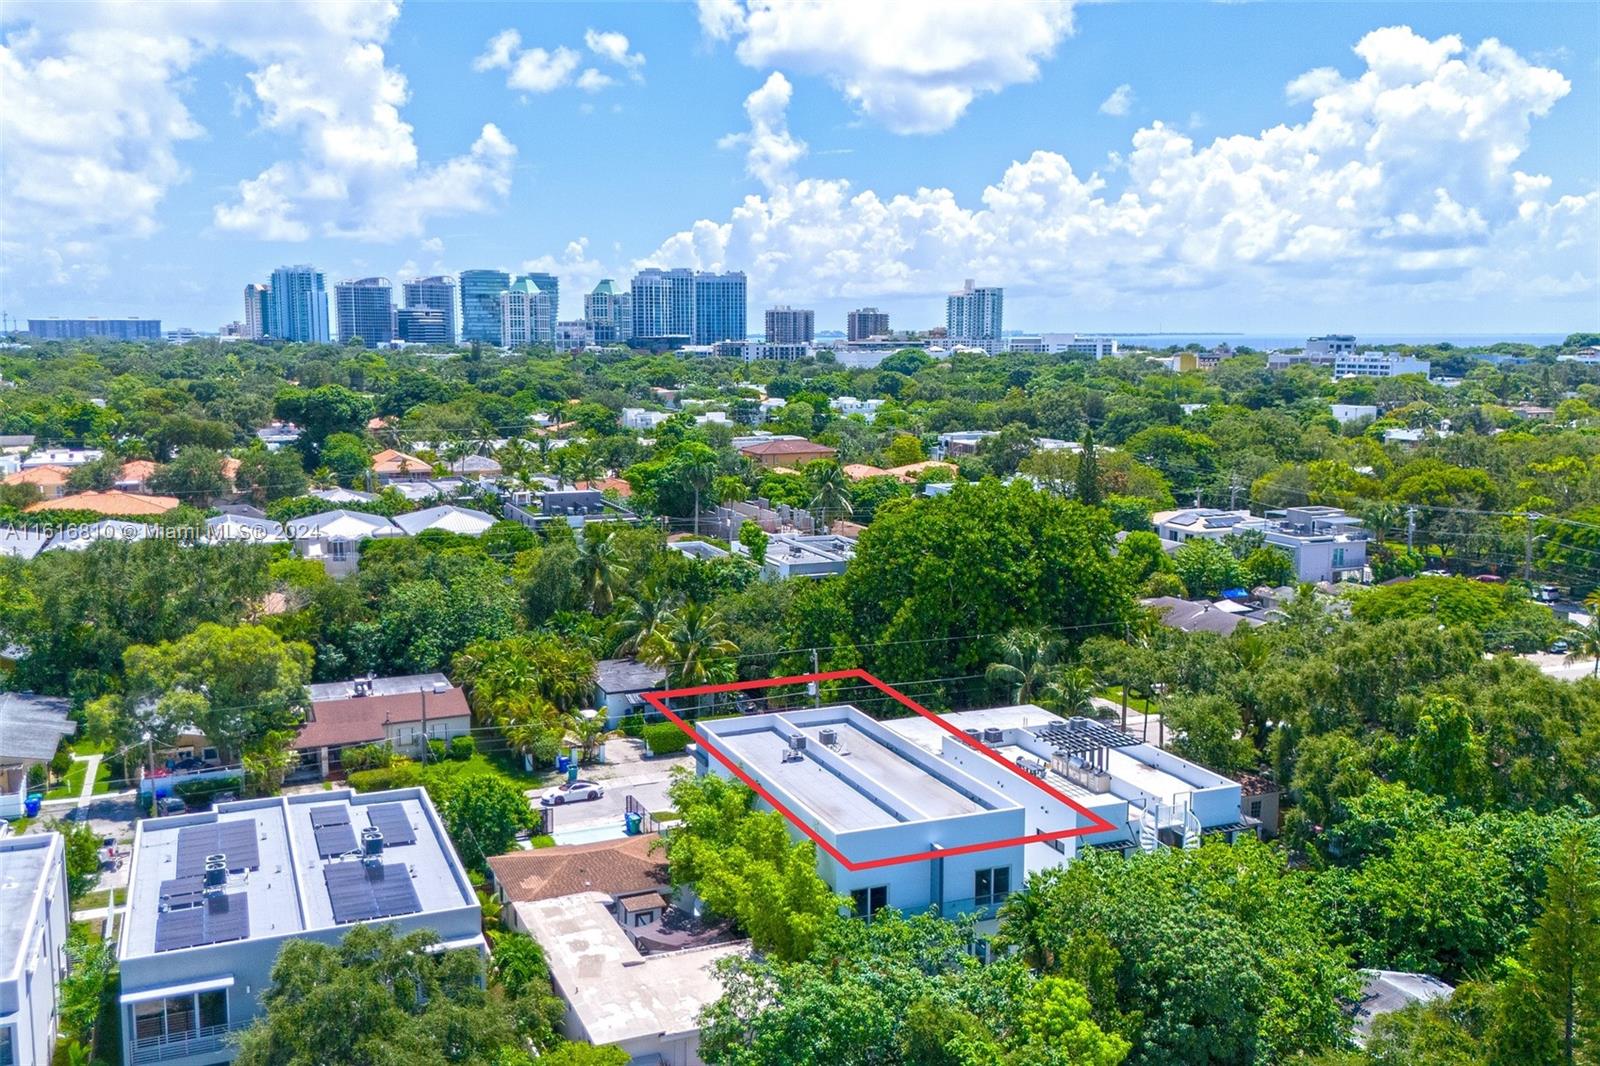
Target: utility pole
x=1234, y=489
x=816, y=689
x=425, y=750
x=1527, y=544
x=1411, y=527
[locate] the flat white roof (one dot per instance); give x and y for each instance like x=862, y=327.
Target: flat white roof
x=26, y=866
x=285, y=891
x=616, y=994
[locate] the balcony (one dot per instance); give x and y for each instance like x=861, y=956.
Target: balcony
x=178, y=1046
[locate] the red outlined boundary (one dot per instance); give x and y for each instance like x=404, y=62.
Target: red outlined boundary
x=658, y=700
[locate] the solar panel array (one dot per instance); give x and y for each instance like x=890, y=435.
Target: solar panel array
x=360, y=893
x=218, y=919
x=391, y=820
x=330, y=824
x=235, y=839
x=182, y=892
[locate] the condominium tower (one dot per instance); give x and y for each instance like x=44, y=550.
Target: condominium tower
x=867, y=322
x=790, y=325
x=480, y=305
x=974, y=317
x=298, y=305
x=609, y=313
x=438, y=294
x=366, y=311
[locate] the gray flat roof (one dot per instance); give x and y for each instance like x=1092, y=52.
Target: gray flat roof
x=25, y=868
x=381, y=686
x=31, y=726
x=286, y=892
x=618, y=676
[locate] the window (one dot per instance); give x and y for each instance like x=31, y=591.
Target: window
x=209, y=754
x=1338, y=557
x=177, y=1017
x=870, y=901
x=991, y=886
x=1255, y=808
x=8, y=1050
x=213, y=1008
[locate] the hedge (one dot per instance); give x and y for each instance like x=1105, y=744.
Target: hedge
x=402, y=773
x=633, y=726
x=462, y=748
x=664, y=738
x=199, y=793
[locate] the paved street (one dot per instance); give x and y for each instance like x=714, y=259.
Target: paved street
x=627, y=773
x=1556, y=666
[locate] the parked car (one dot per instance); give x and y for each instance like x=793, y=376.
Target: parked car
x=171, y=805
x=1560, y=647
x=572, y=792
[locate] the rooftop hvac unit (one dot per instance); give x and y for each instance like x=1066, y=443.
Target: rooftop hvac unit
x=362, y=687
x=1087, y=771
x=797, y=742
x=991, y=735
x=440, y=687
x=216, y=873
x=974, y=734
x=830, y=738
x=371, y=844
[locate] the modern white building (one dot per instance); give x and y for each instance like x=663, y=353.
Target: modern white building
x=1352, y=412
x=1332, y=345
x=609, y=312
x=62, y=457
x=804, y=555
x=912, y=785
x=527, y=314
x=450, y=519
x=639, y=418
x=975, y=318
x=34, y=910
x=1325, y=543
x=1197, y=523
x=773, y=351
x=214, y=896
x=1096, y=347
x=845, y=406
x=334, y=538
x=1377, y=365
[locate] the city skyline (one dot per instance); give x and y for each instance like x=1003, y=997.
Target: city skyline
x=1100, y=196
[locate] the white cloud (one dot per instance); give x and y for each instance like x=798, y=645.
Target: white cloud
x=771, y=151
x=578, y=270
x=1402, y=176
x=103, y=108
x=912, y=65
x=613, y=47
x=592, y=81
x=1119, y=102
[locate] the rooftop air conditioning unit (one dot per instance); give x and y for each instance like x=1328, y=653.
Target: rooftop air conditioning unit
x=371, y=844
x=216, y=873
x=440, y=687
x=991, y=735
x=362, y=687
x=830, y=738
x=797, y=742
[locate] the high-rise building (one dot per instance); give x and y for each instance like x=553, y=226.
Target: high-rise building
x=789, y=325
x=366, y=310
x=609, y=313
x=480, y=305
x=258, y=311
x=719, y=307
x=549, y=283
x=974, y=317
x=120, y=329
x=527, y=315
x=424, y=325
x=438, y=294
x=663, y=304
x=298, y=305
x=867, y=322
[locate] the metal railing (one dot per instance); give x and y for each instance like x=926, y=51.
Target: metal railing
x=177, y=1046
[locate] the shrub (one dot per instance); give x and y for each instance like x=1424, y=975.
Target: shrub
x=61, y=761
x=197, y=794
x=664, y=738
x=632, y=726
x=463, y=748
x=436, y=751
x=366, y=757
x=37, y=773
x=401, y=773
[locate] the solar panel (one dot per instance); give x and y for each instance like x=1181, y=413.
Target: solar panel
x=181, y=892
x=221, y=918
x=235, y=839
x=391, y=820
x=330, y=814
x=359, y=893
x=335, y=839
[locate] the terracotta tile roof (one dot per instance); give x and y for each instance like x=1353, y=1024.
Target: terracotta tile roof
x=788, y=447
x=861, y=470
x=910, y=471
x=138, y=470
x=360, y=719
x=621, y=487
x=614, y=867
x=390, y=461
x=230, y=467
x=49, y=474
x=114, y=502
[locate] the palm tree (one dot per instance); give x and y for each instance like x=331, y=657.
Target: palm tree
x=514, y=458
x=699, y=473
x=600, y=571
x=1585, y=644
x=692, y=644
x=1379, y=517
x=1071, y=691
x=1026, y=658
x=323, y=477
x=638, y=619
x=587, y=730
x=1026, y=926
x=833, y=493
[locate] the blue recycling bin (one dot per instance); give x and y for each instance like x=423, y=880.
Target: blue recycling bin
x=30, y=806
x=634, y=823
x=562, y=762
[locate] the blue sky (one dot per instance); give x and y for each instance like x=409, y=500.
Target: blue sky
x=1250, y=167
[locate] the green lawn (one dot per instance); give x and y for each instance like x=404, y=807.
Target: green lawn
x=73, y=783
x=1135, y=701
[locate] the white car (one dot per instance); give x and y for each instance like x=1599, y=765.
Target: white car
x=572, y=792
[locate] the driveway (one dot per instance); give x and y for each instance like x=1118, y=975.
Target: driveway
x=627, y=772
x=1556, y=666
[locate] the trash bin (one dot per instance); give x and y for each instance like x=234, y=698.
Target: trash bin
x=634, y=823
x=30, y=806
x=561, y=763
x=572, y=770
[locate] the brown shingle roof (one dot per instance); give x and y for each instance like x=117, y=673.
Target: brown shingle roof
x=615, y=867
x=788, y=447
x=360, y=719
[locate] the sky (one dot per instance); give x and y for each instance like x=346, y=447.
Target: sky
x=1247, y=167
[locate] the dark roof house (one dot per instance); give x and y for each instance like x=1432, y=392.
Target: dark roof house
x=613, y=867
